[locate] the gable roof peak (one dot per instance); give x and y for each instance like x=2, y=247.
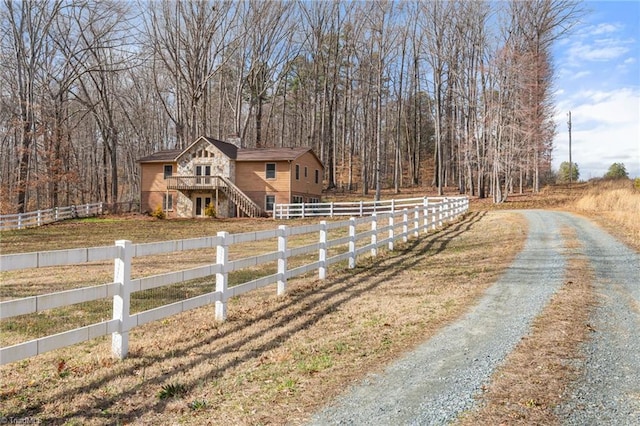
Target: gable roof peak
x=228, y=149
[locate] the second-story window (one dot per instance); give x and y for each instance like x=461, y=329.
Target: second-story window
x=270, y=170
x=297, y=171
x=202, y=175
x=168, y=170
x=317, y=176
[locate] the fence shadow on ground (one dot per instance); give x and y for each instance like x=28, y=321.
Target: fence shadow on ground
x=314, y=303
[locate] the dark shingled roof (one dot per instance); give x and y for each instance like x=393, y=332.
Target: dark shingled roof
x=161, y=156
x=233, y=152
x=228, y=149
x=271, y=154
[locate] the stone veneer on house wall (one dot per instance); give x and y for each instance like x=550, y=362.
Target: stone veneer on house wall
x=205, y=154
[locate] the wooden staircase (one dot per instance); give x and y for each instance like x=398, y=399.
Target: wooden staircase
x=239, y=198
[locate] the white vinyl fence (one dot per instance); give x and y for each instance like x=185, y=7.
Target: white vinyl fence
x=42, y=217
x=380, y=230
x=355, y=208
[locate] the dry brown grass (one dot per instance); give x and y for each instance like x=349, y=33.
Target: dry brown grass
x=534, y=377
x=275, y=360
x=615, y=205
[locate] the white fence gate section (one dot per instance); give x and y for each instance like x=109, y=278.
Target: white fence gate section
x=384, y=230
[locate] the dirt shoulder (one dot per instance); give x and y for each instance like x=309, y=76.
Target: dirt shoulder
x=276, y=360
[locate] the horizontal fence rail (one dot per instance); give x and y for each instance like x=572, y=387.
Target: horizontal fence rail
x=42, y=217
x=356, y=208
x=382, y=230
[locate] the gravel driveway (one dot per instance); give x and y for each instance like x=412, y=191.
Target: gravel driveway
x=436, y=382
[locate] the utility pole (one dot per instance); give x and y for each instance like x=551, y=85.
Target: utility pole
x=570, y=163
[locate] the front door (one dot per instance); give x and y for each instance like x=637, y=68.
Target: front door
x=201, y=205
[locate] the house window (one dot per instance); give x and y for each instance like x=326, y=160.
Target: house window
x=297, y=171
x=313, y=200
x=270, y=171
x=168, y=170
x=167, y=202
x=305, y=171
x=317, y=176
x=270, y=201
x=203, y=171
x=297, y=199
x=203, y=153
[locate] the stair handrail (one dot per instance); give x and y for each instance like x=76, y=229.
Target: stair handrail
x=241, y=199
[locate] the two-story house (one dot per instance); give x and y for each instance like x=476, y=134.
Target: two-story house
x=237, y=181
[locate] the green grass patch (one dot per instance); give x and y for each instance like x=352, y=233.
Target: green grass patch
x=315, y=364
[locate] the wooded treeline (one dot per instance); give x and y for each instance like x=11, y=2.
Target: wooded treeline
x=389, y=94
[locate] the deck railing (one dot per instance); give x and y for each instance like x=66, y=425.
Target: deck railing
x=203, y=183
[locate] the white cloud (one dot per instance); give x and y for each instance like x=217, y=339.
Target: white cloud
x=604, y=28
x=598, y=74
x=605, y=130
x=581, y=74
x=611, y=107
x=603, y=50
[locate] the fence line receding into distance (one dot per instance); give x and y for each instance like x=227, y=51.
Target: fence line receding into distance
x=378, y=230
x=42, y=217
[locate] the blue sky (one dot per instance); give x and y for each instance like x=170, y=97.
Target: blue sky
x=598, y=80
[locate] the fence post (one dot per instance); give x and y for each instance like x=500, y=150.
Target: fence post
x=19, y=220
x=331, y=209
x=86, y=209
x=352, y=242
x=322, y=256
x=283, y=232
x=39, y=218
x=391, y=231
x=405, y=225
x=441, y=212
x=425, y=212
x=393, y=206
x=361, y=208
x=416, y=221
x=434, y=216
x=222, y=277
x=374, y=235
x=122, y=300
